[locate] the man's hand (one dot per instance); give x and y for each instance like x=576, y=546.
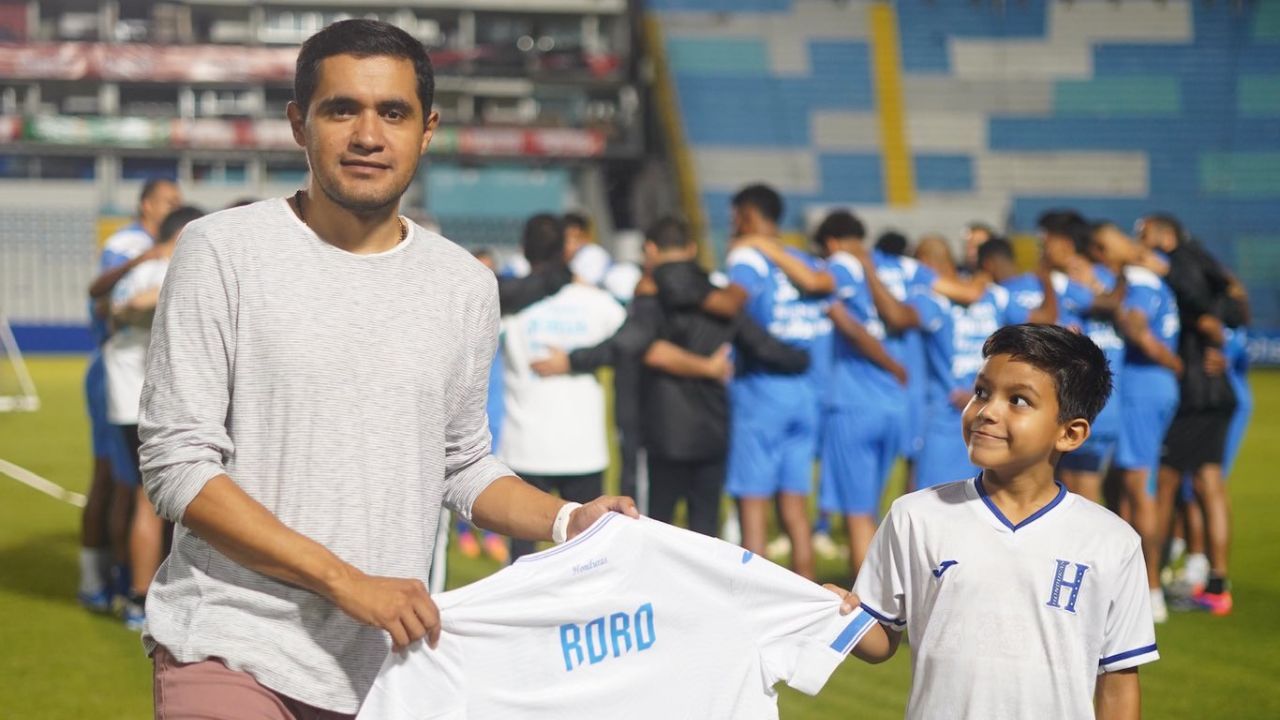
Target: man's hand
x=555, y=363
x=582, y=518
x=1215, y=362
x=849, y=601
x=402, y=607
x=720, y=364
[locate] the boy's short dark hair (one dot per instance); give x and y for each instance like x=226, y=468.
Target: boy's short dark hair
x=995, y=247
x=361, y=38
x=543, y=239
x=762, y=198
x=839, y=224
x=669, y=233
x=1079, y=370
x=176, y=220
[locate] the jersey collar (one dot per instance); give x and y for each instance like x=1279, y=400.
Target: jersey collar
x=981, y=493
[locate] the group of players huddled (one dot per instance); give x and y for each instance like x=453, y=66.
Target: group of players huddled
x=894, y=337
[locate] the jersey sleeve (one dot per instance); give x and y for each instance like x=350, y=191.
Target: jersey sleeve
x=882, y=581
x=1017, y=309
x=1144, y=299
x=799, y=631
x=932, y=314
x=1075, y=298
x=747, y=268
x=1130, y=636
x=922, y=277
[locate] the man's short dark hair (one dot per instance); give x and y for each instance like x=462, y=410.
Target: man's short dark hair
x=176, y=220
x=1168, y=222
x=543, y=239
x=151, y=185
x=1079, y=370
x=892, y=243
x=669, y=233
x=1069, y=224
x=577, y=220
x=995, y=247
x=761, y=197
x=361, y=38
x=839, y=224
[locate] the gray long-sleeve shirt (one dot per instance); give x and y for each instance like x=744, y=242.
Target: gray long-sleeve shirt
x=346, y=393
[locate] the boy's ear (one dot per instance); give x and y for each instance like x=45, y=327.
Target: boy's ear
x=1073, y=435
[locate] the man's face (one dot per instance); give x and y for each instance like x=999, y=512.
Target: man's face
x=742, y=219
x=365, y=130
x=1110, y=247
x=1155, y=236
x=1058, y=249
x=574, y=238
x=1011, y=423
x=165, y=197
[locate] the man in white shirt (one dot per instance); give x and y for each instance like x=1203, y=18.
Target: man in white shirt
x=633, y=619
x=553, y=431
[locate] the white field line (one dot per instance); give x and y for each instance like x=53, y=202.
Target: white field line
x=35, y=482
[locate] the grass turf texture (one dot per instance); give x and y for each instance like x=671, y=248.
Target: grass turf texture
x=57, y=661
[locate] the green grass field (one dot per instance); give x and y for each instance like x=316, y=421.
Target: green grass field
x=57, y=661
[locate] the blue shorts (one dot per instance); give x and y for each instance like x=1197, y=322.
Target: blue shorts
x=944, y=457
x=108, y=439
x=1093, y=455
x=772, y=447
x=1146, y=420
x=858, y=451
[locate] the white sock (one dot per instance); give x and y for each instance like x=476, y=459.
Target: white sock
x=91, y=563
x=1177, y=546
x=1159, y=611
x=1197, y=569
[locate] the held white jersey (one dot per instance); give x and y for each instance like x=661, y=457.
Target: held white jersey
x=1008, y=621
x=556, y=425
x=632, y=619
x=125, y=353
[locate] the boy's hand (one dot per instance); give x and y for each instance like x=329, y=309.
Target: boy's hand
x=849, y=602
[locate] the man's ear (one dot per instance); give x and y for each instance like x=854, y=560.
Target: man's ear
x=297, y=123
x=1073, y=435
x=429, y=129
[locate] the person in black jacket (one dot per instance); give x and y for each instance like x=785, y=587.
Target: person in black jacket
x=1195, y=444
x=684, y=408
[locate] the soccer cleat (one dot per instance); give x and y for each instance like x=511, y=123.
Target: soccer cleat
x=467, y=544
x=825, y=547
x=496, y=548
x=1216, y=603
x=95, y=602
x=1159, y=611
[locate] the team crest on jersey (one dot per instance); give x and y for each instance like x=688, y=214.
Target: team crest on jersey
x=1066, y=590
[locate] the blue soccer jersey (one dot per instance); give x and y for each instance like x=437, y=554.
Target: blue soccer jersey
x=865, y=407
x=1105, y=431
x=953, y=337
x=775, y=416
x=905, y=278
x=1148, y=390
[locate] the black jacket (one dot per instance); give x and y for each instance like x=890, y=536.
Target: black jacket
x=686, y=418
x=1200, y=285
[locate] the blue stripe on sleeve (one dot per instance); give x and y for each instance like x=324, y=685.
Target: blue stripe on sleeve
x=852, y=632
x=882, y=617
x=1126, y=655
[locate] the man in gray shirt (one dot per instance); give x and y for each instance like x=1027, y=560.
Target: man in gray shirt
x=315, y=391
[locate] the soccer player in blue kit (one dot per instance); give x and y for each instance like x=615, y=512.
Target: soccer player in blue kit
x=1148, y=391
x=775, y=416
x=954, y=335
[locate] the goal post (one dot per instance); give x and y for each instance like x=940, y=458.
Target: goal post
x=17, y=391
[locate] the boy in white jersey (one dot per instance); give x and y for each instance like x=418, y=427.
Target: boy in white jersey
x=1023, y=600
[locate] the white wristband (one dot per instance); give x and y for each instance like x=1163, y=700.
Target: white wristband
x=560, y=528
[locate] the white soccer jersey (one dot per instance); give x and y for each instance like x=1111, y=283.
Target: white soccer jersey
x=1008, y=621
x=556, y=425
x=125, y=353
x=632, y=619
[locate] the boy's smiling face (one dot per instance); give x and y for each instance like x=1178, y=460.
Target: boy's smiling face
x=1012, y=423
